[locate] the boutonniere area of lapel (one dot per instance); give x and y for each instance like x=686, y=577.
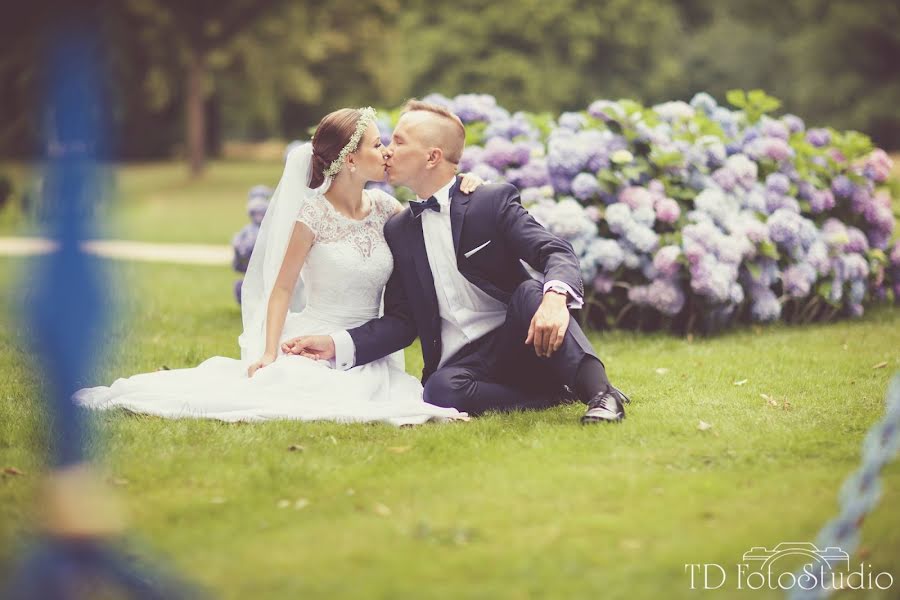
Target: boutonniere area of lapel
x=474, y=250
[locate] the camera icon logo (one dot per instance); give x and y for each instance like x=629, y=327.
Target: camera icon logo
x=830, y=557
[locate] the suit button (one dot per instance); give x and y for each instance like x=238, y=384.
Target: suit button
x=435, y=342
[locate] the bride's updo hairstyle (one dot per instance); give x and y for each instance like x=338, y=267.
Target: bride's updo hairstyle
x=332, y=134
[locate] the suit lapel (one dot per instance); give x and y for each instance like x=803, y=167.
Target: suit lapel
x=420, y=259
x=459, y=204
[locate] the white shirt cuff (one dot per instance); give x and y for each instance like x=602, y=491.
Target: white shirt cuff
x=575, y=301
x=344, y=351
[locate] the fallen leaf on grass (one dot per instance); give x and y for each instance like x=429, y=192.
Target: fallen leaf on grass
x=218, y=500
x=301, y=503
x=382, y=510
x=880, y=365
x=769, y=400
x=283, y=503
x=296, y=448
x=399, y=449
x=703, y=426
x=12, y=471
x=662, y=371
x=741, y=382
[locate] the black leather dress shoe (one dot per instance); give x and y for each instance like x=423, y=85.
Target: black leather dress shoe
x=606, y=407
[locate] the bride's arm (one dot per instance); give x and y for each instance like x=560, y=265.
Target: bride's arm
x=276, y=311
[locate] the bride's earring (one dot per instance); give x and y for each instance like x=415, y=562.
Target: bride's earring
x=353, y=168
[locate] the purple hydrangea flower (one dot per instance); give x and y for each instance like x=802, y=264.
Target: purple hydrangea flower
x=725, y=178
x=773, y=148
x=471, y=156
x=860, y=199
x=794, y=123
x=774, y=129
x=821, y=201
x=878, y=166
x=641, y=238
x=258, y=202
x=510, y=128
x=666, y=296
x=778, y=183
x=585, y=187
x=475, y=107
x=603, y=284
x=857, y=241
x=605, y=110
x=704, y=103
x=636, y=197
x=854, y=266
x=818, y=137
x=798, y=280
x=572, y=121
x=842, y=186
x=817, y=257
x=486, y=172
x=674, y=111
x=895, y=254
x=534, y=173
x=667, y=210
x=243, y=243
x=501, y=153
x=666, y=261
x=765, y=306
x=607, y=254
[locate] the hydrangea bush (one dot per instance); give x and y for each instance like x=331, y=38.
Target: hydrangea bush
x=693, y=216
x=245, y=239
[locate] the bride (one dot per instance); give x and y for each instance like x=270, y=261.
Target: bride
x=321, y=221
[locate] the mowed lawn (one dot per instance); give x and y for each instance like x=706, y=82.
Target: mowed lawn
x=157, y=202
x=527, y=505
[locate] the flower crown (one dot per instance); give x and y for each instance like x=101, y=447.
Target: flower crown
x=366, y=116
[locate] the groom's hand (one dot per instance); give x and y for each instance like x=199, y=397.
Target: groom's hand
x=549, y=324
x=317, y=347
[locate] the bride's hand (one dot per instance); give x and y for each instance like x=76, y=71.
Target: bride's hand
x=265, y=361
x=470, y=183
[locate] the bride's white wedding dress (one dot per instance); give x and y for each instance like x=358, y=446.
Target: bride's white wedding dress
x=344, y=275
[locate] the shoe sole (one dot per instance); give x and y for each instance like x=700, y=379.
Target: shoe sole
x=592, y=420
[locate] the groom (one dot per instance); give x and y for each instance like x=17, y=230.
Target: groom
x=492, y=337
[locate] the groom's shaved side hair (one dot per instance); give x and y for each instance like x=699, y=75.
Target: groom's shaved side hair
x=442, y=129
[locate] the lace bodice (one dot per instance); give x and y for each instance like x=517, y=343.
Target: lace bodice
x=349, y=263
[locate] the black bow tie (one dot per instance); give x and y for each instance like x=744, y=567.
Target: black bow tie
x=418, y=208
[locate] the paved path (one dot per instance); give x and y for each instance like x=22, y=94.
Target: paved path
x=191, y=254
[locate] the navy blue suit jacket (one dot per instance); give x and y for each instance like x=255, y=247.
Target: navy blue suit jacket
x=494, y=213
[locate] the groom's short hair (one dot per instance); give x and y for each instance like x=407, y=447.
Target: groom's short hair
x=452, y=137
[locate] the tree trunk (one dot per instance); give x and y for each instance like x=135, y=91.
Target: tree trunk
x=195, y=114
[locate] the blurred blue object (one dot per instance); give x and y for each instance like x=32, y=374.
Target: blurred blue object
x=67, y=308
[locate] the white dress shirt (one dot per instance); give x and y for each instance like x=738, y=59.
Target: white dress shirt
x=467, y=312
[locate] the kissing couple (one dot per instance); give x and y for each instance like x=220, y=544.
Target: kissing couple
x=446, y=269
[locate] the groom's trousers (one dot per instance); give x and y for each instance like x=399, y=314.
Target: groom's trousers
x=500, y=372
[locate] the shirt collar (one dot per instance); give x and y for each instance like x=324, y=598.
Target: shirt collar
x=443, y=194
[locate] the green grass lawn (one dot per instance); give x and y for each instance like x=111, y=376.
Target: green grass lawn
x=157, y=202
x=528, y=505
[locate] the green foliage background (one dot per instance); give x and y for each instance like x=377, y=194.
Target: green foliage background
x=275, y=67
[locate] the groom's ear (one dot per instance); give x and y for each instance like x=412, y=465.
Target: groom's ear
x=435, y=156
